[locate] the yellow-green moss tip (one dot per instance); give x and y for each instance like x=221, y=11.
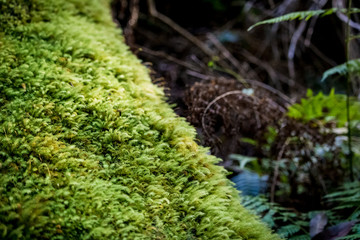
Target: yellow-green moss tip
x=88, y=147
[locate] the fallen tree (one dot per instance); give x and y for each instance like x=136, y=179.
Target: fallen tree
x=88, y=147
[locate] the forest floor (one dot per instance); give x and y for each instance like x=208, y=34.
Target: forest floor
x=235, y=86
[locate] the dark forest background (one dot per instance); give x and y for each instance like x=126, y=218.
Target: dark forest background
x=259, y=102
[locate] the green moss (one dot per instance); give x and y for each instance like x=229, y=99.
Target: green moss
x=88, y=147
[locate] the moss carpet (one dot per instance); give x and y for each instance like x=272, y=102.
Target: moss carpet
x=88, y=147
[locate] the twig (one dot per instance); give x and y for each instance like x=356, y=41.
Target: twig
x=225, y=52
x=124, y=4
x=134, y=16
x=348, y=88
x=232, y=73
x=284, y=6
x=322, y=56
x=134, y=8
x=318, y=5
x=153, y=12
x=276, y=171
x=168, y=57
x=198, y=75
x=212, y=103
x=345, y=18
x=271, y=3
x=297, y=35
x=200, y=63
x=202, y=46
x=310, y=31
x=272, y=90
x=278, y=11
x=292, y=48
x=268, y=68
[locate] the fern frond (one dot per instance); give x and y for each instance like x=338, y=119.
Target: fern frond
x=288, y=230
x=351, y=237
x=354, y=10
x=273, y=214
x=298, y=15
x=300, y=237
x=347, y=197
x=342, y=69
x=354, y=37
x=349, y=194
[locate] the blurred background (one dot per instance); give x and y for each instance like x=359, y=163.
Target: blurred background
x=258, y=99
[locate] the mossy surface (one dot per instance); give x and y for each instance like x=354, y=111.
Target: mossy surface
x=88, y=147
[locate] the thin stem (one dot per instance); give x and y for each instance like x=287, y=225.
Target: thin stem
x=348, y=89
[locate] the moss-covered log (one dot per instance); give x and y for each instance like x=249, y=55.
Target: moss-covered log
x=88, y=147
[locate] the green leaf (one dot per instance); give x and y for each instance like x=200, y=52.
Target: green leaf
x=298, y=15
x=249, y=141
x=354, y=10
x=342, y=69
x=243, y=160
x=354, y=37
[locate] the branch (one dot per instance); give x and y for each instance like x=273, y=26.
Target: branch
x=168, y=57
x=343, y=17
x=154, y=13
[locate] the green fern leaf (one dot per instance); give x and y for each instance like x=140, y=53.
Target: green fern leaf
x=351, y=237
x=354, y=10
x=300, y=237
x=288, y=230
x=354, y=37
x=298, y=15
x=342, y=69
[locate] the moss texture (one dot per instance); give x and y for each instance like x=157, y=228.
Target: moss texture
x=88, y=147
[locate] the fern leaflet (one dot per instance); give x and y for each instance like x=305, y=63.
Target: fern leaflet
x=354, y=37
x=300, y=237
x=298, y=15
x=351, y=237
x=342, y=69
x=288, y=230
